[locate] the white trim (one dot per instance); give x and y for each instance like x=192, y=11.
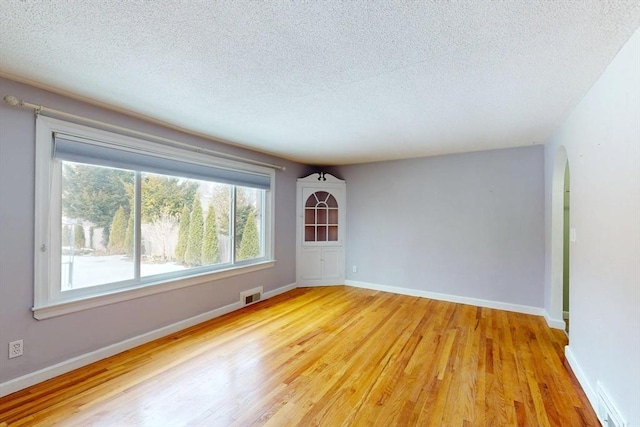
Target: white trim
x=69, y=365
x=315, y=178
x=280, y=290
x=450, y=298
x=315, y=285
x=607, y=411
x=554, y=323
x=556, y=240
x=46, y=312
x=581, y=377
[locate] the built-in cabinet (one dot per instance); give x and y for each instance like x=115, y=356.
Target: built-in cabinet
x=321, y=220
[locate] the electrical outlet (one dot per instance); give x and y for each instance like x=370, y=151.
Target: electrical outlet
x=15, y=349
x=354, y=269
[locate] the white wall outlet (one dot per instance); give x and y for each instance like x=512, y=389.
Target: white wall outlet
x=15, y=349
x=354, y=269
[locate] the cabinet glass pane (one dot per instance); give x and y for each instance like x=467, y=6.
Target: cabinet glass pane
x=309, y=216
x=333, y=216
x=311, y=202
x=310, y=234
x=333, y=233
x=322, y=196
x=322, y=234
x=321, y=216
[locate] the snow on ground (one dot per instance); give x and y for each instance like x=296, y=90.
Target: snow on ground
x=90, y=270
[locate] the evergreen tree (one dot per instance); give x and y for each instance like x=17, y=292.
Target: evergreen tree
x=162, y=196
x=193, y=255
x=95, y=194
x=250, y=245
x=183, y=234
x=222, y=200
x=118, y=232
x=80, y=240
x=210, y=251
x=128, y=238
x=242, y=214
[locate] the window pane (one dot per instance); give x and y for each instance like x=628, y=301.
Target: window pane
x=249, y=226
x=183, y=223
x=96, y=227
x=220, y=196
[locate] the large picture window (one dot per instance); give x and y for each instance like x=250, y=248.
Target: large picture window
x=117, y=217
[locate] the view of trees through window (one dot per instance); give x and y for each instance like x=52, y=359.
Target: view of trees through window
x=184, y=224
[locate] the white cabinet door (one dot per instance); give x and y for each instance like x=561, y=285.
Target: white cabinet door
x=321, y=266
x=332, y=265
x=310, y=264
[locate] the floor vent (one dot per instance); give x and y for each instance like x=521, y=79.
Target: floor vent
x=607, y=412
x=251, y=296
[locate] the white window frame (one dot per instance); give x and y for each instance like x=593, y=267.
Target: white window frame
x=49, y=301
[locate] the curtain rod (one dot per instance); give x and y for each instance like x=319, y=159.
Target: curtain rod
x=15, y=102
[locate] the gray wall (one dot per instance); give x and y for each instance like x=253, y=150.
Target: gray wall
x=55, y=340
x=602, y=141
x=467, y=225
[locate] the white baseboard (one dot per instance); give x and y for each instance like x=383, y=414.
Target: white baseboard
x=69, y=365
x=307, y=285
x=320, y=285
x=607, y=410
x=554, y=323
x=280, y=290
x=581, y=377
x=450, y=298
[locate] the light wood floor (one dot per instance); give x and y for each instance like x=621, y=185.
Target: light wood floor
x=334, y=356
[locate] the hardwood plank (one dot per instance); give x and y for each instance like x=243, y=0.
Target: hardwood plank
x=326, y=356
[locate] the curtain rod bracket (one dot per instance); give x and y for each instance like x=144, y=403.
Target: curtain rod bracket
x=12, y=100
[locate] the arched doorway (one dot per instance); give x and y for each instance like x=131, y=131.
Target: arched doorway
x=559, y=238
x=566, y=238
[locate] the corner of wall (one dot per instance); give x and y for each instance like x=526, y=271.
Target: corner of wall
x=554, y=323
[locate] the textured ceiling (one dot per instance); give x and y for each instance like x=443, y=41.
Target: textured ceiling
x=325, y=82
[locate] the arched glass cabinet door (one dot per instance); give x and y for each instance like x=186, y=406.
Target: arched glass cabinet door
x=321, y=218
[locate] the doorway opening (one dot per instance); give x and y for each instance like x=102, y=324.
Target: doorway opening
x=560, y=232
x=566, y=238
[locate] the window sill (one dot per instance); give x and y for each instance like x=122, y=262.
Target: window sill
x=66, y=307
